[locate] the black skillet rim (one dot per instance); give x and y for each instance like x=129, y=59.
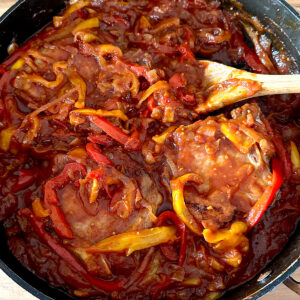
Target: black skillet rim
x=269, y=286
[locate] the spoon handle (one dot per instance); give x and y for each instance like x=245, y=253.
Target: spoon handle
x=278, y=84
x=225, y=85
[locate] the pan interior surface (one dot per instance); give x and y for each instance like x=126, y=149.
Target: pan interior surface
x=35, y=14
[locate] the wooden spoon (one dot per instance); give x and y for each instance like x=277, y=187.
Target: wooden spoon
x=225, y=85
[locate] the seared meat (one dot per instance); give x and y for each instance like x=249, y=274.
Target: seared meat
x=92, y=222
x=231, y=157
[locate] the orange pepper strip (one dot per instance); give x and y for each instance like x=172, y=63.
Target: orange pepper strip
x=39, y=210
x=159, y=85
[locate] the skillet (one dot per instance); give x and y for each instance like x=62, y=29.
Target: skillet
x=35, y=14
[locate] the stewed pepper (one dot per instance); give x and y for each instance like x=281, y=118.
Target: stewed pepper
x=267, y=197
x=61, y=251
x=180, y=226
x=60, y=223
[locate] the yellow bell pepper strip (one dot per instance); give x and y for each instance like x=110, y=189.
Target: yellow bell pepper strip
x=85, y=37
x=268, y=195
x=78, y=154
x=192, y=282
x=5, y=137
x=80, y=85
x=144, y=23
x=87, y=24
x=237, y=137
x=295, y=156
x=61, y=251
x=49, y=84
x=177, y=186
x=18, y=64
x=180, y=226
x=226, y=238
x=39, y=210
x=136, y=240
x=116, y=113
x=94, y=191
x=58, y=20
x=160, y=138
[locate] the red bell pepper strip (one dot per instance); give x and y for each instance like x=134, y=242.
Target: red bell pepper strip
x=181, y=228
x=60, y=224
x=101, y=139
x=176, y=81
x=151, y=103
x=186, y=52
x=165, y=49
x=250, y=58
x=51, y=201
x=139, y=71
x=62, y=252
x=268, y=195
x=187, y=98
x=280, y=149
x=25, y=179
x=116, y=133
x=121, y=20
x=95, y=153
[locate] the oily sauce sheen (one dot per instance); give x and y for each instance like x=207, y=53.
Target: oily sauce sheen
x=114, y=183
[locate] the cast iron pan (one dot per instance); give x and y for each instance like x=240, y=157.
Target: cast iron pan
x=26, y=17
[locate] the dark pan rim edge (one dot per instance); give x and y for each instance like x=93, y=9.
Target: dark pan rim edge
x=22, y=283
x=256, y=295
